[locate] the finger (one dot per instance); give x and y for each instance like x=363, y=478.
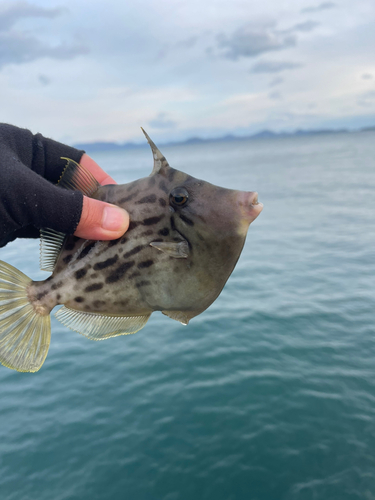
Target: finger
x=101, y=221
x=102, y=177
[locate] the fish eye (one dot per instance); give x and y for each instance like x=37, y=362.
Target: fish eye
x=179, y=196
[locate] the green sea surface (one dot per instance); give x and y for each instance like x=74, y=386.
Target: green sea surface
x=268, y=395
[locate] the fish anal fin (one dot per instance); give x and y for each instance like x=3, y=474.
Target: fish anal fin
x=77, y=178
x=96, y=326
x=181, y=316
x=178, y=250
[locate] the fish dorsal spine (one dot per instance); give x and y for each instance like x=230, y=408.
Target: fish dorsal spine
x=160, y=162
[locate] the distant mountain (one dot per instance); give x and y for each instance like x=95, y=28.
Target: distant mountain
x=95, y=147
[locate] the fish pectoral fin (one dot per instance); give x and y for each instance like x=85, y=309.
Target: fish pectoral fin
x=100, y=326
x=179, y=250
x=51, y=243
x=181, y=316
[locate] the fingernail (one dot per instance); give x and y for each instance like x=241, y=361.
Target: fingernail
x=113, y=218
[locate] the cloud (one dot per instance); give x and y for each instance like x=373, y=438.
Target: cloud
x=18, y=48
x=367, y=76
x=275, y=96
x=318, y=8
x=10, y=13
x=161, y=121
x=274, y=66
x=304, y=27
x=250, y=41
x=276, y=81
x=44, y=80
x=367, y=99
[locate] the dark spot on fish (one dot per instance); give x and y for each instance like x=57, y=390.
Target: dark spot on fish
x=152, y=220
x=106, y=263
x=112, y=243
x=149, y=232
x=119, y=272
x=79, y=299
x=93, y=276
x=86, y=250
x=121, y=303
x=123, y=241
x=162, y=202
x=40, y=295
x=80, y=273
x=132, y=186
x=58, y=296
x=94, y=287
x=143, y=283
x=164, y=231
x=133, y=251
x=57, y=285
x=87, y=307
x=151, y=181
x=99, y=303
x=151, y=198
x=186, y=219
x=68, y=258
x=128, y=198
x=132, y=225
x=145, y=263
x=173, y=225
x=171, y=174
x=134, y=275
x=163, y=187
x=70, y=245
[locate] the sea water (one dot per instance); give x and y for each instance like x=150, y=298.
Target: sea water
x=269, y=394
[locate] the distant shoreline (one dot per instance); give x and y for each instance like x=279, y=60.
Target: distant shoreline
x=98, y=146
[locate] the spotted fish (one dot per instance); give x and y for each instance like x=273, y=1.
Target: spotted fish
x=183, y=241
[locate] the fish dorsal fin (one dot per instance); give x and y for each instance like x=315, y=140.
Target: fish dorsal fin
x=178, y=250
x=51, y=242
x=181, y=316
x=100, y=326
x=76, y=178
x=160, y=161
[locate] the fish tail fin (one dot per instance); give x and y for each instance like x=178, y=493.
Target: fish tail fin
x=24, y=334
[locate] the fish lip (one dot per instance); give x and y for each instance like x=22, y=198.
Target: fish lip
x=250, y=205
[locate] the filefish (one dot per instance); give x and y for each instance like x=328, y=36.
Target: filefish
x=183, y=242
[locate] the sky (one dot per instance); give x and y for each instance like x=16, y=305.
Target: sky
x=84, y=71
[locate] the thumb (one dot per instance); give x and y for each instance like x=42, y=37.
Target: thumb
x=101, y=221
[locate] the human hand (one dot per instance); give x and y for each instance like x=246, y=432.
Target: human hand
x=100, y=220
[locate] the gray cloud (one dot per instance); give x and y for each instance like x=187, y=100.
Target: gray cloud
x=10, y=13
x=18, y=48
x=276, y=81
x=161, y=121
x=44, y=80
x=304, y=27
x=275, y=96
x=367, y=76
x=250, y=41
x=274, y=66
x=318, y=8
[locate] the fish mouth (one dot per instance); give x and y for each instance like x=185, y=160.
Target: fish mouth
x=250, y=205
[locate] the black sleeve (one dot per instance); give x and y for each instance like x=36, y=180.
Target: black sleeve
x=30, y=166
